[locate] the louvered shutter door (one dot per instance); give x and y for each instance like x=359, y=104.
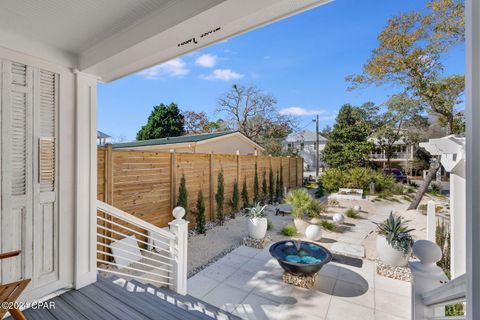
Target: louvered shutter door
x=16, y=164
x=46, y=218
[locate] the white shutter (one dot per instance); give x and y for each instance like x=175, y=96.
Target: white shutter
x=16, y=156
x=18, y=142
x=47, y=131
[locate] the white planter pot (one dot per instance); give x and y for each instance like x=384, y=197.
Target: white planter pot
x=257, y=227
x=301, y=225
x=389, y=255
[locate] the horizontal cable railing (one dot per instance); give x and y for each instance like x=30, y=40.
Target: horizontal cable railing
x=132, y=248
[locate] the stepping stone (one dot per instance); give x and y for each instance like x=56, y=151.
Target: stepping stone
x=350, y=240
x=356, y=235
x=348, y=249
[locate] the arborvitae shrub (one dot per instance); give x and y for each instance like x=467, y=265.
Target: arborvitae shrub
x=264, y=187
x=277, y=188
x=271, y=185
x=281, y=182
x=256, y=187
x=235, y=199
x=182, y=200
x=200, y=219
x=245, y=199
x=220, y=197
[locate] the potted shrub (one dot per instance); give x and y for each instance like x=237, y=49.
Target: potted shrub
x=394, y=242
x=303, y=205
x=257, y=222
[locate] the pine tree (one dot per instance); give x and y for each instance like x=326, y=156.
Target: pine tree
x=219, y=197
x=200, y=213
x=277, y=188
x=271, y=185
x=182, y=200
x=245, y=199
x=264, y=187
x=281, y=182
x=235, y=199
x=256, y=187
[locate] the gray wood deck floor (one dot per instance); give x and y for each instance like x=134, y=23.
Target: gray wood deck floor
x=113, y=298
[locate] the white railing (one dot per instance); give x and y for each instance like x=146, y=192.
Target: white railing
x=432, y=292
x=133, y=248
x=395, y=156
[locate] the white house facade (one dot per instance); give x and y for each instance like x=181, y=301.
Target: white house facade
x=304, y=144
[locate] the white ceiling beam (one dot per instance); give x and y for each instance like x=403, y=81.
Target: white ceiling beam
x=156, y=39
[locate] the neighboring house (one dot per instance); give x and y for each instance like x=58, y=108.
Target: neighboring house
x=230, y=142
x=103, y=138
x=404, y=152
x=303, y=143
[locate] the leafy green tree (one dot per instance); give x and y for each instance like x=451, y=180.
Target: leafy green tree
x=200, y=219
x=246, y=201
x=271, y=185
x=182, y=200
x=256, y=186
x=410, y=55
x=402, y=122
x=164, y=121
x=348, y=144
x=264, y=187
x=235, y=198
x=220, y=197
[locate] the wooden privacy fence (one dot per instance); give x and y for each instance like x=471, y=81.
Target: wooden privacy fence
x=145, y=184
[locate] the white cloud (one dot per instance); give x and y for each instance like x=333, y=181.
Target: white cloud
x=223, y=74
x=299, y=111
x=207, y=60
x=173, y=68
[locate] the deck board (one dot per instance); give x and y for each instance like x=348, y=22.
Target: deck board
x=105, y=300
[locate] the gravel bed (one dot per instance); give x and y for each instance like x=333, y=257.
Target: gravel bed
x=399, y=273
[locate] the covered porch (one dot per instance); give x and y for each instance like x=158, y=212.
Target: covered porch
x=51, y=59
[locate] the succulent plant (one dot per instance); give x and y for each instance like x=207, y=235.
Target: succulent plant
x=256, y=212
x=396, y=232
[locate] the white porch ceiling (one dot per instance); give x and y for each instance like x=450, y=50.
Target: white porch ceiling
x=113, y=38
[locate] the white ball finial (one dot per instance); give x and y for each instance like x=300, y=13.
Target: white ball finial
x=427, y=251
x=357, y=208
x=178, y=213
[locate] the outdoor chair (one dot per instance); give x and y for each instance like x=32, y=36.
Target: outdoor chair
x=10, y=292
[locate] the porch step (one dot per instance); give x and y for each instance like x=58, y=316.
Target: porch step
x=348, y=249
x=165, y=304
x=186, y=302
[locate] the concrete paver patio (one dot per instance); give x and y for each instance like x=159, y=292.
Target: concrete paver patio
x=248, y=283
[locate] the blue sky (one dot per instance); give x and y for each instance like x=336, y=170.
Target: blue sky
x=302, y=61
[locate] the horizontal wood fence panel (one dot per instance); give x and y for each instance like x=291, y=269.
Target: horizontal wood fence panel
x=145, y=184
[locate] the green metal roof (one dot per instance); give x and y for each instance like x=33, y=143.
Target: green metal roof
x=172, y=140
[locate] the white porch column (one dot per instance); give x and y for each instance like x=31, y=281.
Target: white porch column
x=472, y=100
x=431, y=220
x=179, y=227
x=86, y=179
x=458, y=225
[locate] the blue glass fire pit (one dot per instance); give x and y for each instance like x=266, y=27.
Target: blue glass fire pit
x=300, y=257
